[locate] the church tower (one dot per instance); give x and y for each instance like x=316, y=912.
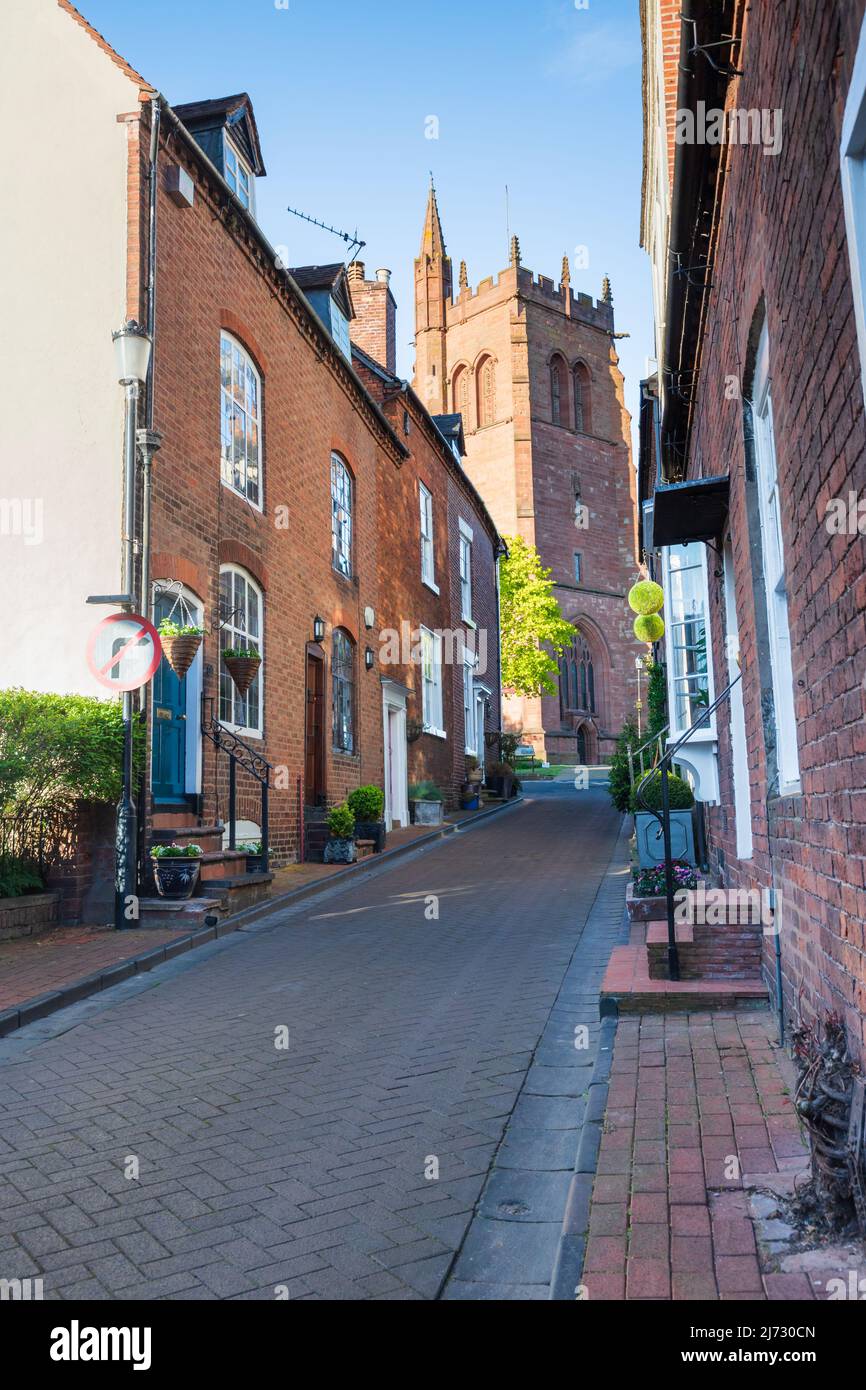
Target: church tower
x=432, y=295
x=530, y=365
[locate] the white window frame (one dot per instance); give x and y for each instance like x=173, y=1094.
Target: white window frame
x=852, y=157
x=696, y=555
x=428, y=558
x=739, y=745
x=232, y=635
x=773, y=566
x=250, y=412
x=239, y=178
x=341, y=516
x=432, y=682
x=466, y=537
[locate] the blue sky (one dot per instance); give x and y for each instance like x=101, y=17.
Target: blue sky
x=541, y=96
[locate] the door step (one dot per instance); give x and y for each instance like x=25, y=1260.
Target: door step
x=628, y=988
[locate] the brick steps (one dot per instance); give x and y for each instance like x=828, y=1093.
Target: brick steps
x=628, y=987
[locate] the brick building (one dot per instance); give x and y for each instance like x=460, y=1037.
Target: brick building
x=531, y=368
x=442, y=590
x=273, y=522
x=753, y=457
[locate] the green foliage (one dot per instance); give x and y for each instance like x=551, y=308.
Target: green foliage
x=368, y=802
x=241, y=654
x=252, y=846
x=508, y=746
x=534, y=632
x=170, y=629
x=425, y=791
x=646, y=596
x=650, y=628
x=341, y=821
x=618, y=780
x=657, y=700
x=59, y=749
x=680, y=795
x=174, y=851
x=16, y=878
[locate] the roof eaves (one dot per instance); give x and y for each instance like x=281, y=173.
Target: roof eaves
x=103, y=43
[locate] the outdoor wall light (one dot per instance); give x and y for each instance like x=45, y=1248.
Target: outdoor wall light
x=131, y=352
x=369, y=658
x=318, y=628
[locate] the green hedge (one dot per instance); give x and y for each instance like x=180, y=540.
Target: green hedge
x=59, y=749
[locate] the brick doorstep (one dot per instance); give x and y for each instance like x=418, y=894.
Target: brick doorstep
x=39, y=976
x=689, y=1229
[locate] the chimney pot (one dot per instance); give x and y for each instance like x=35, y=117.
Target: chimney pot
x=384, y=276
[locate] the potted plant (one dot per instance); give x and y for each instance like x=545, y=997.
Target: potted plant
x=425, y=803
x=254, y=856
x=340, y=848
x=646, y=894
x=470, y=790
x=242, y=664
x=180, y=642
x=650, y=842
x=502, y=781
x=176, y=869
x=368, y=804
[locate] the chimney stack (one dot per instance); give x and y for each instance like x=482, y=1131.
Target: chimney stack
x=374, y=327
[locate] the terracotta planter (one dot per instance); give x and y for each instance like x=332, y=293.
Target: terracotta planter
x=242, y=670
x=180, y=653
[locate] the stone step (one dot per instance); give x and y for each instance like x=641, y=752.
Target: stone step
x=166, y=816
x=223, y=864
x=239, y=892
x=185, y=916
x=210, y=837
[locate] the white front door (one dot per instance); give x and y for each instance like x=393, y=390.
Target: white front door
x=396, y=766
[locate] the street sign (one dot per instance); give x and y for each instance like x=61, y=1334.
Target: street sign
x=124, y=651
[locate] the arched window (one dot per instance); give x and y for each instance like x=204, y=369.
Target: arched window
x=343, y=686
x=485, y=379
x=460, y=395
x=341, y=516
x=582, y=402
x=241, y=629
x=240, y=422
x=577, y=677
x=558, y=404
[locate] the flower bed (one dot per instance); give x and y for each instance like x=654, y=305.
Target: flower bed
x=645, y=897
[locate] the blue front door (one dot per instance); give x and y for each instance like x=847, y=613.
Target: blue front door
x=169, y=725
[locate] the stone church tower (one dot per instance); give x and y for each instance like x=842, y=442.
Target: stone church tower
x=531, y=368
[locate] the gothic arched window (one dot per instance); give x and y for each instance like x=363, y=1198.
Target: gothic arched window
x=485, y=378
x=460, y=395
x=577, y=677
x=582, y=402
x=558, y=402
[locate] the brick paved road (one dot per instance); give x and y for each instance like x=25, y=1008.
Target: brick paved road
x=409, y=1040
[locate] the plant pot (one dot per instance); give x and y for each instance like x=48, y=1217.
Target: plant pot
x=650, y=842
x=180, y=653
x=255, y=864
x=469, y=797
x=371, y=830
x=501, y=786
x=426, y=812
x=176, y=878
x=340, y=851
x=243, y=670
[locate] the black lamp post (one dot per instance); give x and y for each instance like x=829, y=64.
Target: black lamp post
x=132, y=353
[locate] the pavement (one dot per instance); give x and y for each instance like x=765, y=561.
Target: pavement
x=375, y=1094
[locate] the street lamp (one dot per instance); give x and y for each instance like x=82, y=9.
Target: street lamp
x=318, y=628
x=132, y=355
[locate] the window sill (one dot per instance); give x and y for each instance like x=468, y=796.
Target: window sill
x=434, y=733
x=235, y=492
x=429, y=584
x=469, y=622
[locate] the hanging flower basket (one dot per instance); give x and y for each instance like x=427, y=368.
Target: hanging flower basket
x=180, y=644
x=242, y=665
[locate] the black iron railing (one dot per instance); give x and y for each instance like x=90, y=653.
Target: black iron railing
x=40, y=838
x=663, y=817
x=637, y=754
x=241, y=756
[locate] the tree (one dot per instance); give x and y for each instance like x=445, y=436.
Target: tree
x=534, y=632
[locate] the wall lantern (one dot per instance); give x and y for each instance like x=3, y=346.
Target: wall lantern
x=318, y=628
x=131, y=352
x=369, y=658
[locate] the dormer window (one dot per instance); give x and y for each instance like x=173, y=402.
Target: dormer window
x=237, y=173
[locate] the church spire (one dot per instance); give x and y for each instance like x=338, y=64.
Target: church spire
x=566, y=272
x=433, y=240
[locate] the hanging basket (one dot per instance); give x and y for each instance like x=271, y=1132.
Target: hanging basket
x=242, y=670
x=180, y=653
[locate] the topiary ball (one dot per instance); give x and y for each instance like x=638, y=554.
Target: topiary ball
x=649, y=628
x=646, y=597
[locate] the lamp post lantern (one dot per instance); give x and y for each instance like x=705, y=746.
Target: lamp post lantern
x=132, y=347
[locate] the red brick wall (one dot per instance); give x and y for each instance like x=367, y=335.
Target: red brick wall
x=783, y=242
x=374, y=327
x=209, y=278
